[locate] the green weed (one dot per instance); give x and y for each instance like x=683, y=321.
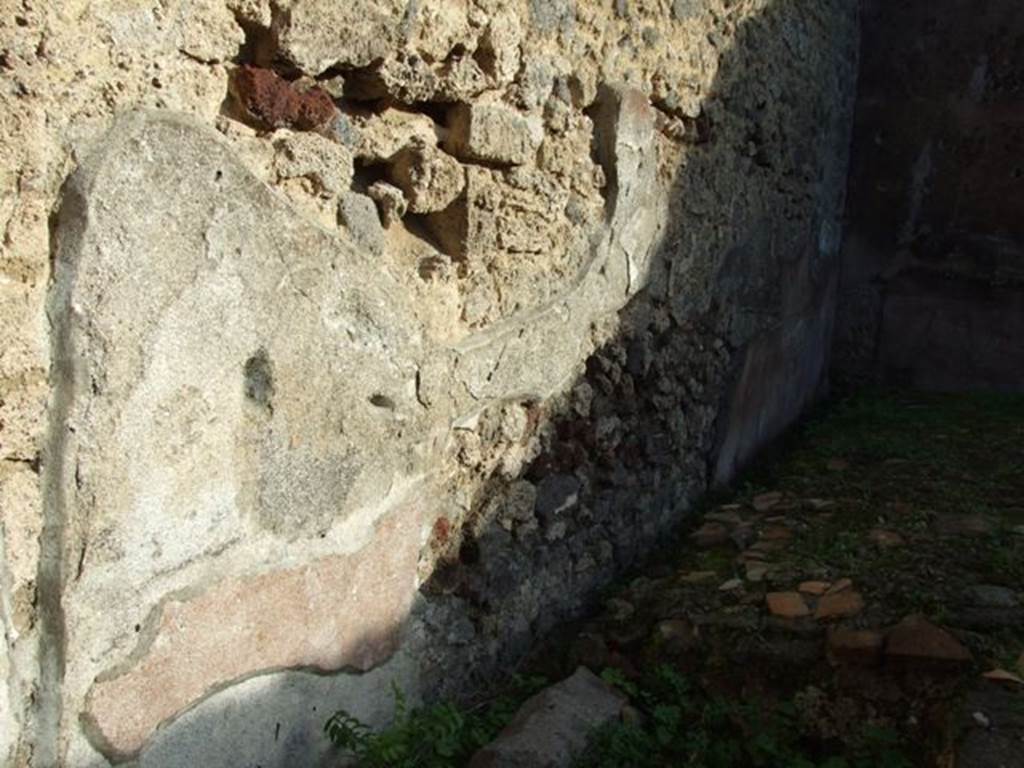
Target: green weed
x=677, y=725
x=438, y=736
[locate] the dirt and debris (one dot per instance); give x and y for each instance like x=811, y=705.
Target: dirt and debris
x=894, y=598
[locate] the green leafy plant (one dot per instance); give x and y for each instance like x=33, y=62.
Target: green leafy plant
x=441, y=735
x=676, y=725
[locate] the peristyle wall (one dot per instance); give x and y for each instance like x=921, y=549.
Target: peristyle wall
x=357, y=343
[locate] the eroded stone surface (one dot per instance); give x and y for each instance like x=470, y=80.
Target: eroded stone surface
x=261, y=376
x=489, y=132
x=234, y=421
x=294, y=476
x=279, y=619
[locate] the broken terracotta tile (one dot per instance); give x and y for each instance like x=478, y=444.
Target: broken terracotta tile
x=766, y=501
x=751, y=555
x=710, y=535
x=840, y=586
x=787, y=605
x=917, y=639
x=815, y=588
x=839, y=605
x=886, y=539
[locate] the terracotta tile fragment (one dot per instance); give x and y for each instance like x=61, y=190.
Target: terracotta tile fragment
x=839, y=605
x=787, y=605
x=917, y=639
x=815, y=588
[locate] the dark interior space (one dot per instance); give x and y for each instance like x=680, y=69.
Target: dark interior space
x=933, y=259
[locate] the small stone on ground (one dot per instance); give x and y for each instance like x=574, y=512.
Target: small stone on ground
x=917, y=639
x=554, y=726
x=814, y=588
x=839, y=605
x=787, y=605
x=766, y=501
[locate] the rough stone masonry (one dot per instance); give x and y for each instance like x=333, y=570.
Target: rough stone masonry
x=350, y=343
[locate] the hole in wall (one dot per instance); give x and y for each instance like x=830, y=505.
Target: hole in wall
x=382, y=401
x=457, y=52
x=260, y=46
x=435, y=110
x=366, y=173
x=486, y=58
x=259, y=380
x=419, y=226
x=365, y=84
x=602, y=114
x=469, y=552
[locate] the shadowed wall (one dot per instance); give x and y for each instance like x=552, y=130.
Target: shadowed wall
x=933, y=261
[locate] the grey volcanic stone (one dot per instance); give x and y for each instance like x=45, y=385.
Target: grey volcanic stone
x=990, y=596
x=553, y=726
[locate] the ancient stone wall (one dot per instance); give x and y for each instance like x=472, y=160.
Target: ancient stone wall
x=358, y=343
x=933, y=260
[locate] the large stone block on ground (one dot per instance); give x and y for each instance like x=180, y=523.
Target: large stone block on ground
x=554, y=726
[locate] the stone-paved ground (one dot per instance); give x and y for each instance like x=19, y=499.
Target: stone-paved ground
x=871, y=572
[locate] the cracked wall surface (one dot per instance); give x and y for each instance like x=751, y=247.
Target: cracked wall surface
x=350, y=343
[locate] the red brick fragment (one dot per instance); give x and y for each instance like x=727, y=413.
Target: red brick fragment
x=272, y=102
